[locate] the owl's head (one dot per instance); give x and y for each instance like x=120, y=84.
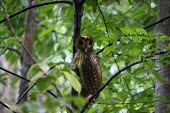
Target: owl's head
x=84, y=43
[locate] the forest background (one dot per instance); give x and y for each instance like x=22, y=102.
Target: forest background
x=36, y=51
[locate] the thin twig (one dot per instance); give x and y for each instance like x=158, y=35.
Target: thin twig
x=115, y=61
x=28, y=89
x=115, y=75
x=157, y=22
x=34, y=6
x=147, y=27
x=102, y=17
x=58, y=91
x=7, y=17
x=143, y=91
x=6, y=106
x=124, y=103
x=13, y=32
x=64, y=103
x=15, y=74
x=132, y=96
x=25, y=92
x=104, y=48
x=12, y=49
x=51, y=93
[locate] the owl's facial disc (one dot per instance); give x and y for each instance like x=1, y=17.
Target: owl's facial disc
x=84, y=43
x=81, y=42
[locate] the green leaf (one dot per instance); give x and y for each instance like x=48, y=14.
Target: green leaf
x=11, y=40
x=44, y=83
x=33, y=70
x=73, y=81
x=44, y=32
x=128, y=31
x=4, y=50
x=24, y=3
x=107, y=50
x=118, y=1
x=43, y=22
x=92, y=3
x=158, y=76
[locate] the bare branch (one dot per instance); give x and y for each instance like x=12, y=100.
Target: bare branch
x=28, y=89
x=115, y=75
x=58, y=91
x=7, y=17
x=6, y=106
x=13, y=32
x=12, y=49
x=25, y=92
x=15, y=74
x=38, y=5
x=102, y=17
x=64, y=103
x=155, y=23
x=104, y=48
x=132, y=96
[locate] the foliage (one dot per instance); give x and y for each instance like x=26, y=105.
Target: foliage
x=123, y=25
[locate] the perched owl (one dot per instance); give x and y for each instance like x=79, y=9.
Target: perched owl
x=86, y=65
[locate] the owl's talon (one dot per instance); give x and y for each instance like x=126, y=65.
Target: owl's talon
x=88, y=98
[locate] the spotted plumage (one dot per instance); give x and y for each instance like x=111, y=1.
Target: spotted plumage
x=86, y=65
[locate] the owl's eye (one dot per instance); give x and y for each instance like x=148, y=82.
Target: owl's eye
x=81, y=42
x=90, y=43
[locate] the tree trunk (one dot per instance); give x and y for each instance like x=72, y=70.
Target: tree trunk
x=163, y=89
x=78, y=4
x=26, y=60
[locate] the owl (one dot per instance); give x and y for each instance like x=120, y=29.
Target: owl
x=86, y=65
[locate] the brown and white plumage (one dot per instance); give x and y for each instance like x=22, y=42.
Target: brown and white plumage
x=86, y=65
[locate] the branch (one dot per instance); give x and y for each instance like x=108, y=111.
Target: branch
x=151, y=25
x=123, y=103
x=143, y=91
x=102, y=17
x=132, y=96
x=13, y=32
x=15, y=74
x=7, y=16
x=12, y=49
x=58, y=91
x=155, y=23
x=115, y=75
x=64, y=103
x=28, y=89
x=6, y=106
x=104, y=48
x=25, y=92
x=34, y=6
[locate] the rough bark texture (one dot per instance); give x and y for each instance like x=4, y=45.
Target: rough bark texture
x=163, y=89
x=26, y=60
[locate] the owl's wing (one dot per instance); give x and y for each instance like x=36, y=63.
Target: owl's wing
x=75, y=64
x=97, y=71
x=91, y=73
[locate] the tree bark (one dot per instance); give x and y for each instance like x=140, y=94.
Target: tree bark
x=26, y=60
x=163, y=89
x=78, y=4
